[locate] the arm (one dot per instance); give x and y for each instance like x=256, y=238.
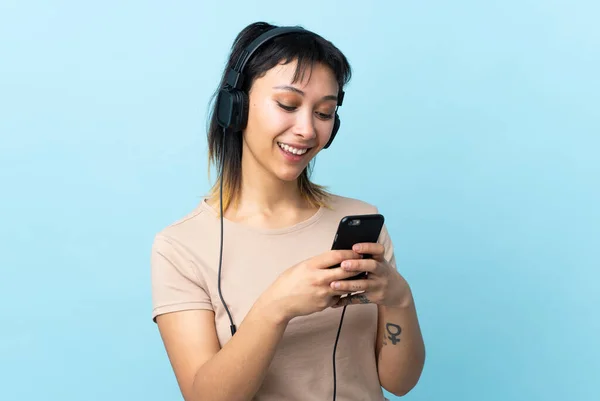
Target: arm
x=400, y=349
x=235, y=372
x=205, y=372
x=182, y=309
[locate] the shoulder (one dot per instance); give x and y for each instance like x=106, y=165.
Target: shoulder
x=188, y=230
x=347, y=205
x=178, y=279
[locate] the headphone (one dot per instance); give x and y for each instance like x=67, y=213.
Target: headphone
x=232, y=102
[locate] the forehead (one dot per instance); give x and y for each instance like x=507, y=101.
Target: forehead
x=316, y=78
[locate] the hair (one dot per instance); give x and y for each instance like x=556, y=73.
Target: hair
x=308, y=49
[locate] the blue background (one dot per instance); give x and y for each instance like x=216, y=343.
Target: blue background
x=474, y=126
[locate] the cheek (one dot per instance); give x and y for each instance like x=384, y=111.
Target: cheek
x=268, y=118
x=324, y=130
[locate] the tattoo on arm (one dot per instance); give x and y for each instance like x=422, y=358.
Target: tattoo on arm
x=363, y=299
x=393, y=331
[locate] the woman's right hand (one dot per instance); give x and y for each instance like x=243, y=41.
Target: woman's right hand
x=305, y=288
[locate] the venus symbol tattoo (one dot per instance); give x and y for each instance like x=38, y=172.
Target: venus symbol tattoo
x=394, y=332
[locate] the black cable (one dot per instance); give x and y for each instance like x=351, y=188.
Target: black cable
x=222, y=173
x=334, y=349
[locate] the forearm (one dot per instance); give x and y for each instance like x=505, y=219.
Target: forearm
x=400, y=347
x=236, y=372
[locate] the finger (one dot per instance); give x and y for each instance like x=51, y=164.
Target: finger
x=337, y=294
x=337, y=273
x=332, y=259
x=353, y=285
x=360, y=265
x=354, y=299
x=375, y=249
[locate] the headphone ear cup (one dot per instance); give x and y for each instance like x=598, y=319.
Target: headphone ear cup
x=232, y=109
x=336, y=127
x=241, y=111
x=225, y=104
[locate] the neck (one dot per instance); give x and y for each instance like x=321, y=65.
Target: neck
x=265, y=194
x=266, y=201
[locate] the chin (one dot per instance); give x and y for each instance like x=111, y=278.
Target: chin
x=288, y=176
x=290, y=167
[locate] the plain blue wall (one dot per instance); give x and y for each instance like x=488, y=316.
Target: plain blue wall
x=473, y=126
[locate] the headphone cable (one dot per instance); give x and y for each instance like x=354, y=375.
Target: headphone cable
x=334, y=350
x=232, y=326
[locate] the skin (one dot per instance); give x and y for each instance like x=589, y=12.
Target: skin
x=269, y=186
x=400, y=349
x=270, y=199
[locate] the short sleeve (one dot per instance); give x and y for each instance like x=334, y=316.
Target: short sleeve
x=176, y=286
x=386, y=241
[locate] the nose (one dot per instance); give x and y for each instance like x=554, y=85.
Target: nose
x=304, y=125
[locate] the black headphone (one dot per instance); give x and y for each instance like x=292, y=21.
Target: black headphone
x=232, y=115
x=232, y=102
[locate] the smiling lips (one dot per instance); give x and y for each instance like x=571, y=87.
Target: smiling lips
x=292, y=150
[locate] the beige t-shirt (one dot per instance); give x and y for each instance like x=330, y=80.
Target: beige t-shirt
x=185, y=260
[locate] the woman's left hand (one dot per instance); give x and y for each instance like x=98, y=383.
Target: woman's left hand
x=383, y=284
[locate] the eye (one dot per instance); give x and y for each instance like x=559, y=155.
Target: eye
x=325, y=116
x=286, y=108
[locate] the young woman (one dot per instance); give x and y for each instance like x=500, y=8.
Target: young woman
x=272, y=278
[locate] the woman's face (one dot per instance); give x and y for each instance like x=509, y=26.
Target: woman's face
x=288, y=123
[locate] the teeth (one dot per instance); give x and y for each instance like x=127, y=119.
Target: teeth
x=290, y=149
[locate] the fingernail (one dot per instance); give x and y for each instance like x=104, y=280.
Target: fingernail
x=336, y=285
x=345, y=264
x=356, y=248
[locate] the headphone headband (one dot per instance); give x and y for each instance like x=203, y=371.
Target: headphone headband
x=235, y=75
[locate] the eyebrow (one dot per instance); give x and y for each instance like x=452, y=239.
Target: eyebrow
x=292, y=89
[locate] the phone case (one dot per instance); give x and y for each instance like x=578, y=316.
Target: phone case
x=355, y=229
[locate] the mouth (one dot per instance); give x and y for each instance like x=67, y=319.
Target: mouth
x=292, y=151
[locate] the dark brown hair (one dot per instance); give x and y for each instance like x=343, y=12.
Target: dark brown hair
x=305, y=47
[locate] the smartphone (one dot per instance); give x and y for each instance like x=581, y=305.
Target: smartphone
x=357, y=229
